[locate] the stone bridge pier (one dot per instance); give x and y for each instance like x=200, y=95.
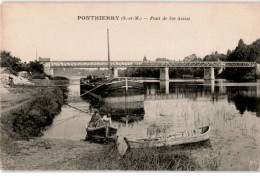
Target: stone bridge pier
x=164, y=80
x=164, y=74
x=209, y=73
x=47, y=68
x=258, y=71
x=115, y=72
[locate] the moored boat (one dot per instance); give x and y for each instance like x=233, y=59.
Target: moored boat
x=109, y=86
x=102, y=88
x=178, y=138
x=104, y=132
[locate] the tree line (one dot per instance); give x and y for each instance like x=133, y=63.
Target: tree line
x=15, y=65
x=243, y=53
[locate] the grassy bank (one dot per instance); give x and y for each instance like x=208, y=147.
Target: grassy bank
x=56, y=154
x=149, y=159
x=31, y=119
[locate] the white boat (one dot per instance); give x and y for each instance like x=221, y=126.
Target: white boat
x=178, y=138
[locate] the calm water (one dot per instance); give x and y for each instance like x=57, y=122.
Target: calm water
x=233, y=109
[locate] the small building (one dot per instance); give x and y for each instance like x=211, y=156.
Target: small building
x=44, y=59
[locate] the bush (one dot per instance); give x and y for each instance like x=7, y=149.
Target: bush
x=35, y=66
x=37, y=75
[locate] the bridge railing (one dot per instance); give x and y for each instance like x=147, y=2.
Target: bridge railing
x=240, y=64
x=159, y=64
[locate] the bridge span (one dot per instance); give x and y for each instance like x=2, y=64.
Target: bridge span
x=123, y=64
x=163, y=65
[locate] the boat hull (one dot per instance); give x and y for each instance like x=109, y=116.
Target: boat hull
x=161, y=142
x=101, y=132
x=117, y=88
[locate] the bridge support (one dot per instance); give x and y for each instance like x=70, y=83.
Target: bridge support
x=258, y=71
x=115, y=72
x=164, y=74
x=209, y=73
x=51, y=72
x=47, y=68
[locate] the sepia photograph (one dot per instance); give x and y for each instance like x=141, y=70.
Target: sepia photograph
x=113, y=86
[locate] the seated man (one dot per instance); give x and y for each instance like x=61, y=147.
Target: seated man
x=107, y=118
x=96, y=117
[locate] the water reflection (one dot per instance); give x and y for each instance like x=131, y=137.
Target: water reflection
x=245, y=98
x=164, y=86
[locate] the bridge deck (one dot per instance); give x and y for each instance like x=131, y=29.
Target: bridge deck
x=159, y=64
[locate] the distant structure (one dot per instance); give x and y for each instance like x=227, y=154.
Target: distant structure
x=47, y=65
x=44, y=59
x=145, y=59
x=162, y=59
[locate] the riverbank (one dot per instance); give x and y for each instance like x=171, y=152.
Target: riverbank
x=37, y=153
x=56, y=154
x=27, y=110
x=25, y=113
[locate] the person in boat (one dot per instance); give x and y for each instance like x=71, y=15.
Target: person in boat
x=95, y=119
x=107, y=118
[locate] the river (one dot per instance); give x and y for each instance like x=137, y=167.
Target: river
x=233, y=109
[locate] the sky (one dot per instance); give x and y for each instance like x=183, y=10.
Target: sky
x=53, y=29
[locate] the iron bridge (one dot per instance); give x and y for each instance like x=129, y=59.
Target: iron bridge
x=160, y=64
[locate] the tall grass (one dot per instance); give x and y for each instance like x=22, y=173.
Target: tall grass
x=156, y=159
x=152, y=159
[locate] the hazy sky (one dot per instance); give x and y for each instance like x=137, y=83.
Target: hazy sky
x=53, y=28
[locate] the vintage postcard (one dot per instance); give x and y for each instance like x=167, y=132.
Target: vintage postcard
x=130, y=86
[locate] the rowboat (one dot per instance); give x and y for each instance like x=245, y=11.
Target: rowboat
x=178, y=138
x=104, y=133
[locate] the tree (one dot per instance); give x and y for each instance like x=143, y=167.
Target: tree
x=35, y=66
x=192, y=57
x=162, y=59
x=215, y=57
x=244, y=53
x=241, y=43
x=228, y=52
x=7, y=60
x=15, y=64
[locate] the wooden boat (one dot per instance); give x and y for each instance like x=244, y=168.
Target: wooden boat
x=104, y=133
x=186, y=137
